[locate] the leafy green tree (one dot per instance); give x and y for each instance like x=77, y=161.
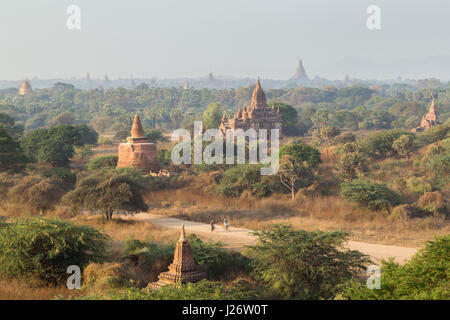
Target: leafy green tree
x=369, y=194
x=424, y=277
x=351, y=165
x=8, y=123
x=154, y=136
x=242, y=178
x=12, y=157
x=404, y=145
x=108, y=192
x=56, y=145
x=320, y=118
x=294, y=175
x=302, y=153
x=297, y=264
x=212, y=116
x=66, y=118
x=84, y=152
x=43, y=248
x=288, y=113
x=380, y=144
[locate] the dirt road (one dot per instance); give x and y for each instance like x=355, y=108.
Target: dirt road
x=238, y=237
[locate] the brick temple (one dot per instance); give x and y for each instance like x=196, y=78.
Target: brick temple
x=137, y=152
x=183, y=268
x=429, y=120
x=257, y=115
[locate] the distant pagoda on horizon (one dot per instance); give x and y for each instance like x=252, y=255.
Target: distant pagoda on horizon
x=183, y=267
x=25, y=88
x=300, y=74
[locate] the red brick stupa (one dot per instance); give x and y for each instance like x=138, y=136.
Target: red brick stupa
x=137, y=152
x=183, y=268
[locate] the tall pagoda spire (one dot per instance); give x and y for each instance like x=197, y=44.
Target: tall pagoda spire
x=258, y=97
x=136, y=129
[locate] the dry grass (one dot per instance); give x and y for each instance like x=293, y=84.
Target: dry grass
x=14, y=289
x=310, y=213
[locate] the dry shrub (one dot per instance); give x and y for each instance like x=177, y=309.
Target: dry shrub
x=435, y=203
x=100, y=277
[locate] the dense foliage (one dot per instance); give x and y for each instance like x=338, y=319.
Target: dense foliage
x=297, y=264
x=43, y=248
x=425, y=276
x=375, y=196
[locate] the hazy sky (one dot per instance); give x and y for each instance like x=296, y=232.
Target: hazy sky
x=190, y=38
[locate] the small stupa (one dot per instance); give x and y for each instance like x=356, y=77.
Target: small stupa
x=183, y=268
x=25, y=88
x=137, y=152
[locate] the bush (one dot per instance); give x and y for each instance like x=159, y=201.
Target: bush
x=380, y=144
x=43, y=248
x=102, y=162
x=405, y=211
x=369, y=194
x=425, y=276
x=149, y=257
x=297, y=264
x=218, y=263
x=243, y=178
x=435, y=203
x=202, y=290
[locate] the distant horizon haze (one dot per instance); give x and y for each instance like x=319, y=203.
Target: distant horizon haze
x=170, y=39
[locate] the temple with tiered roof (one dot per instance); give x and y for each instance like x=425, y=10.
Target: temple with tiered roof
x=429, y=120
x=257, y=115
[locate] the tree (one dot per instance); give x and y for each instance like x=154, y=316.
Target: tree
x=351, y=165
x=37, y=192
x=108, y=191
x=297, y=264
x=242, y=178
x=288, y=113
x=301, y=153
x=42, y=248
x=403, y=145
x=15, y=131
x=212, y=116
x=56, y=145
x=63, y=118
x=369, y=194
x=11, y=154
x=320, y=118
x=293, y=174
x=380, y=144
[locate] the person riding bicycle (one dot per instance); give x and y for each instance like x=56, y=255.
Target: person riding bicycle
x=226, y=224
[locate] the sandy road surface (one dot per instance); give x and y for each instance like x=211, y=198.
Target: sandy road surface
x=238, y=237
